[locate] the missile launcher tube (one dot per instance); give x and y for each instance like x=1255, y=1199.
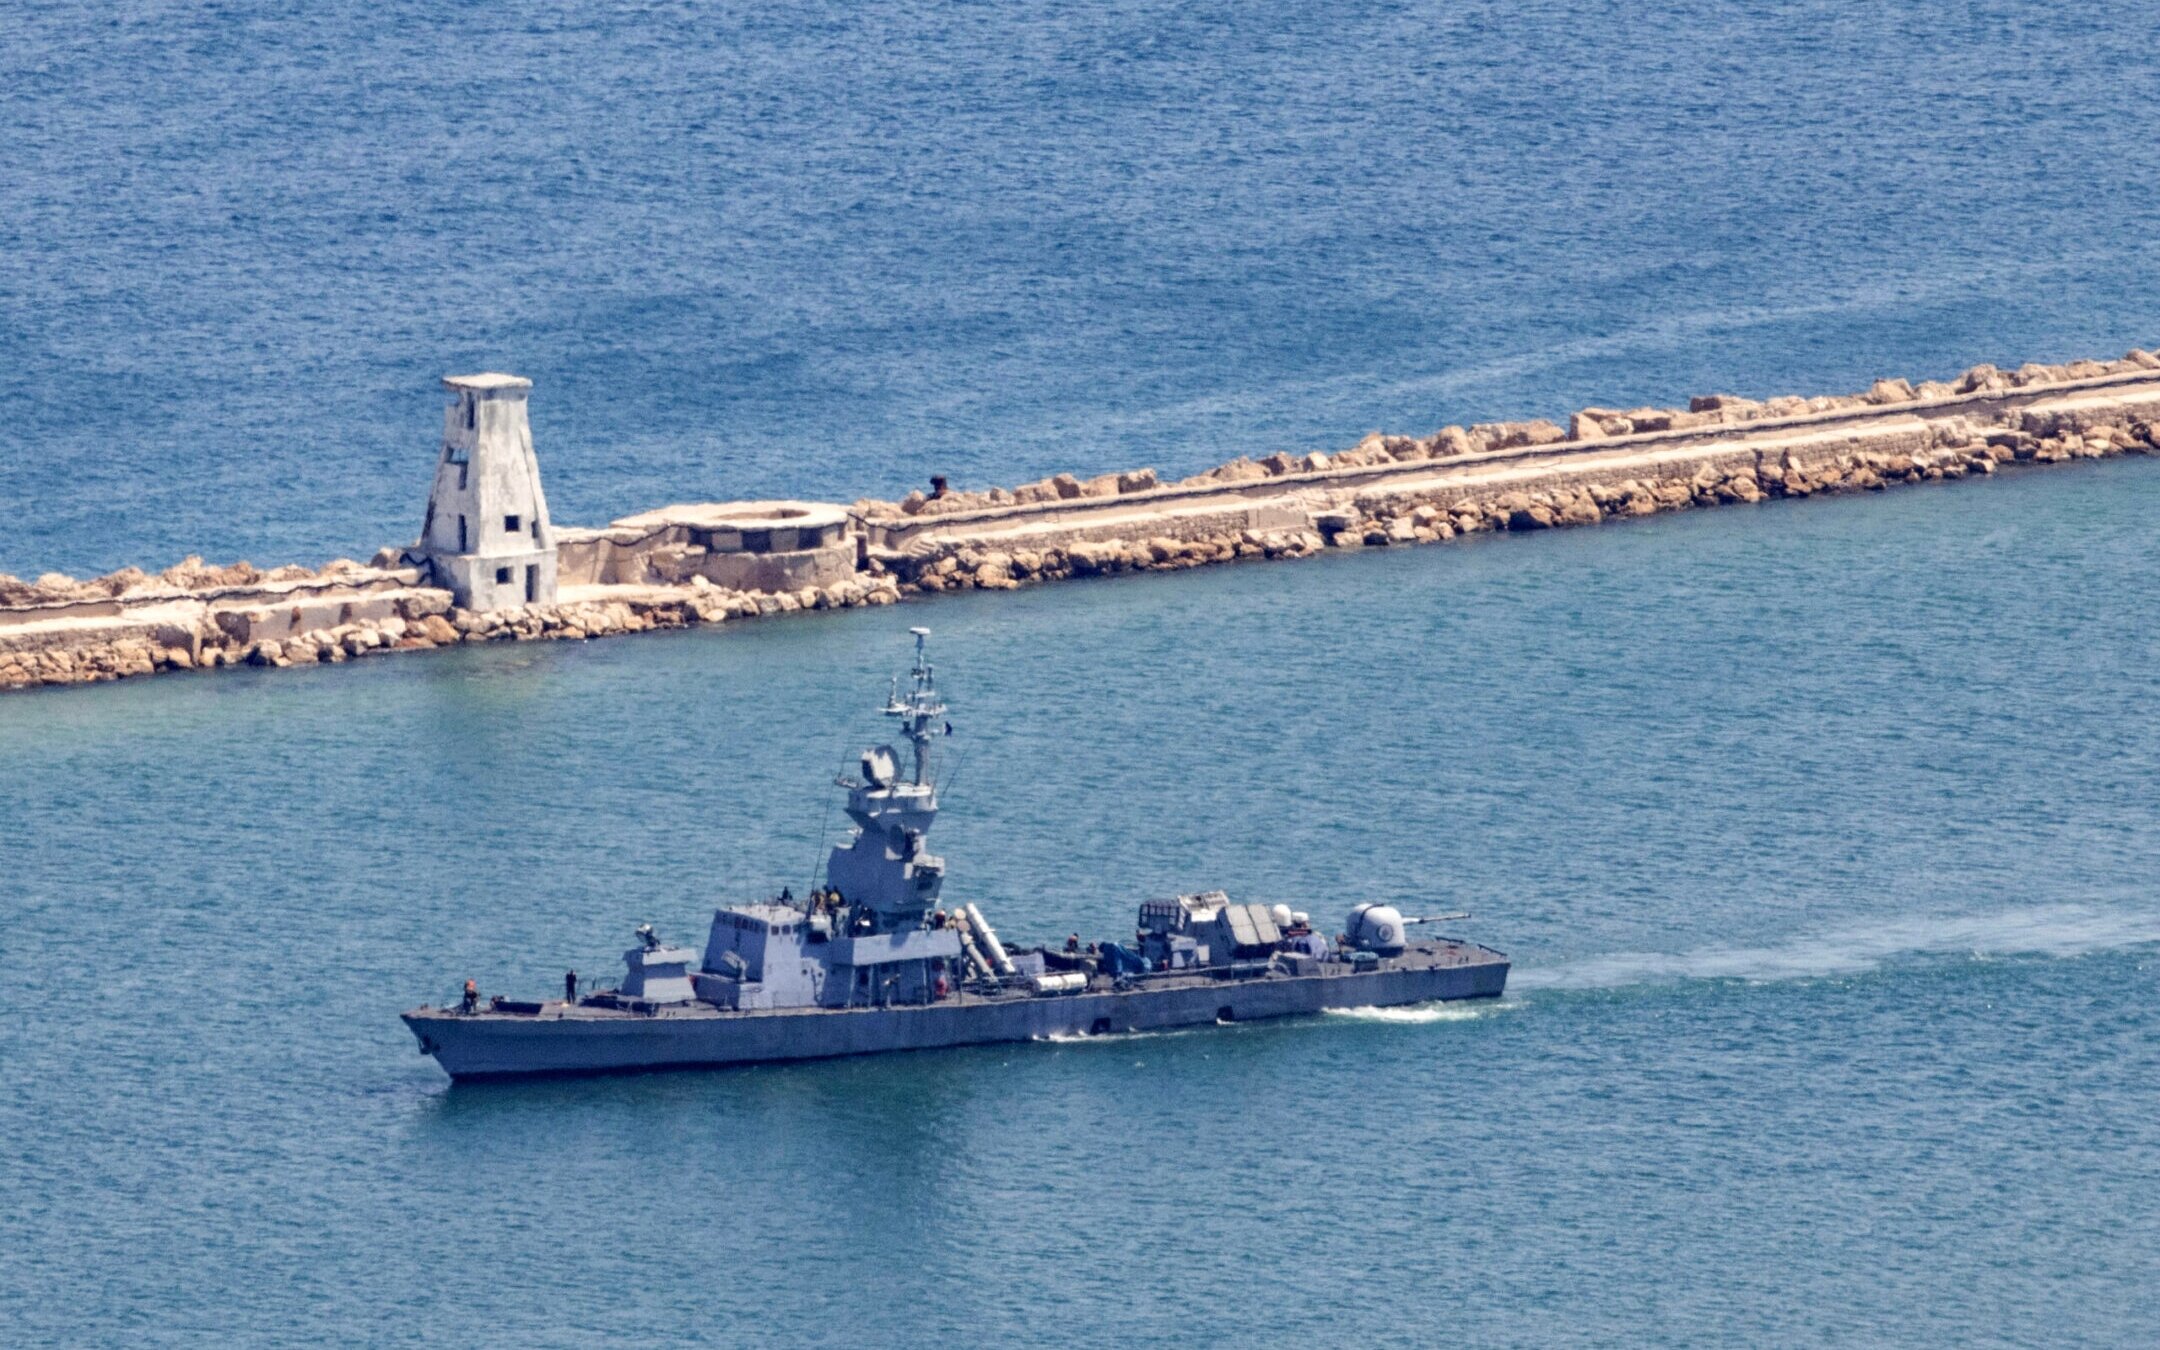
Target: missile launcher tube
x=990, y=943
x=978, y=965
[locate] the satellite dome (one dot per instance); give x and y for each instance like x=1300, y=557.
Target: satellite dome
x=1283, y=917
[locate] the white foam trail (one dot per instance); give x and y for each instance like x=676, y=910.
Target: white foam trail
x=1415, y=1015
x=1108, y=1037
x=2055, y=930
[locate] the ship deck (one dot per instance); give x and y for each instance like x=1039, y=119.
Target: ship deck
x=1436, y=955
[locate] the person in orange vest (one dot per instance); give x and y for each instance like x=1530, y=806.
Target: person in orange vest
x=472, y=996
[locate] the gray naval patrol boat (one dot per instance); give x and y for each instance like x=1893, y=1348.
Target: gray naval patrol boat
x=873, y=962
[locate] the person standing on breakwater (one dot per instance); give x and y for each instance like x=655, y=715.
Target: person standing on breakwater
x=569, y=986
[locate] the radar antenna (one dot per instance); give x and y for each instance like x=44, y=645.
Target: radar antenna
x=921, y=713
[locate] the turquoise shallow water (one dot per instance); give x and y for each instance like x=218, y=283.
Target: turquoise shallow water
x=1822, y=834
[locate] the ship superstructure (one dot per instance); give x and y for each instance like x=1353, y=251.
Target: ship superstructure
x=874, y=959
x=875, y=938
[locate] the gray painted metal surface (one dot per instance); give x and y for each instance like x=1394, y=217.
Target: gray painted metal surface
x=566, y=1040
x=869, y=964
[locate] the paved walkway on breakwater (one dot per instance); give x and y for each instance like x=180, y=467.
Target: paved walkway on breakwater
x=1386, y=491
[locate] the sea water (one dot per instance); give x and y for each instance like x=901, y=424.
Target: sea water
x=1821, y=834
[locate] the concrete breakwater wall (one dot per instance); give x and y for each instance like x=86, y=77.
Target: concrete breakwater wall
x=719, y=562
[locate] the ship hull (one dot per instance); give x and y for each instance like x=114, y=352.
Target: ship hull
x=564, y=1041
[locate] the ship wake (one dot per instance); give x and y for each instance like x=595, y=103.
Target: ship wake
x=2060, y=931
x=1419, y=1014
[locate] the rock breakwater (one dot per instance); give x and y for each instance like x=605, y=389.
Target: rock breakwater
x=1521, y=476
x=365, y=612
x=658, y=571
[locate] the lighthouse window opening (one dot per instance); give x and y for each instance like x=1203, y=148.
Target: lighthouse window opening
x=461, y=534
x=472, y=413
x=511, y=525
x=532, y=584
x=502, y=576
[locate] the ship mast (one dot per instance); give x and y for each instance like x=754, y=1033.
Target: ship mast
x=921, y=713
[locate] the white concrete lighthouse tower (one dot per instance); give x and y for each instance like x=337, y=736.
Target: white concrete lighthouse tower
x=487, y=537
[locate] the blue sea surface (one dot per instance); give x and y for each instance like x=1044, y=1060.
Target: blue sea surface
x=827, y=250
x=1821, y=833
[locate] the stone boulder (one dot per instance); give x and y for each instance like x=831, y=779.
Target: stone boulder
x=1366, y=453
x=1516, y=435
x=1580, y=509
x=1727, y=406
x=1448, y=442
x=1239, y=470
x=1593, y=423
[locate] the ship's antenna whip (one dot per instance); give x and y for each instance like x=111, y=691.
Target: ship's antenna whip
x=817, y=863
x=959, y=763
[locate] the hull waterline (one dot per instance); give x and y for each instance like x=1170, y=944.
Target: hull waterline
x=562, y=1040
